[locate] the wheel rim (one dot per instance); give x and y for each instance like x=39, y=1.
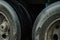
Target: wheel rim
x=52, y=32
x=4, y=27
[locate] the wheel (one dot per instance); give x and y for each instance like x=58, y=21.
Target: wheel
x=9, y=22
x=47, y=24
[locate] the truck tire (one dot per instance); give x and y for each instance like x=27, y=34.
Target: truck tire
x=10, y=28
x=47, y=24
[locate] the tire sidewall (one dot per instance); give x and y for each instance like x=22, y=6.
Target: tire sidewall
x=48, y=14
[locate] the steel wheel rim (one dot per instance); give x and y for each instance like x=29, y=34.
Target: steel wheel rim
x=52, y=32
x=4, y=27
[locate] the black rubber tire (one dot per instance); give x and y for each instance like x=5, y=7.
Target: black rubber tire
x=47, y=16
x=24, y=18
x=10, y=13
